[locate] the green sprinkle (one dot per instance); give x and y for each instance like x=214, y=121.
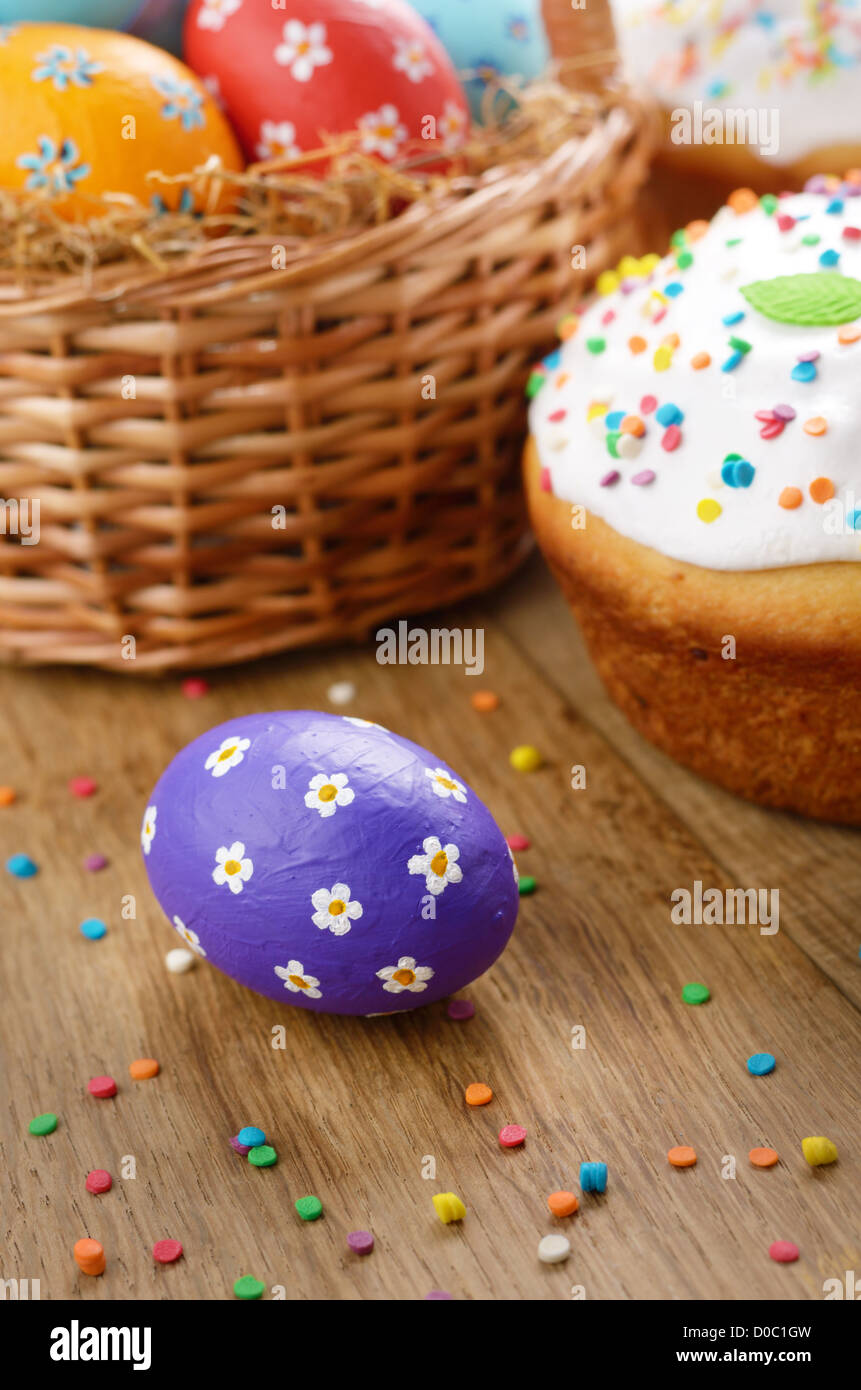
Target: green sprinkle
x=596, y=345
x=43, y=1124
x=812, y=239
x=613, y=438
x=695, y=994
x=309, y=1208
x=740, y=344
x=768, y=202
x=248, y=1287
x=526, y=885
x=262, y=1156
x=535, y=383
x=684, y=260
x=679, y=237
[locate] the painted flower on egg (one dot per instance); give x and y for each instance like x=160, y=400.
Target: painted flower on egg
x=438, y=864
x=232, y=867
x=148, y=828
x=334, y=911
x=229, y=753
x=295, y=979
x=326, y=794
x=190, y=937
x=405, y=975
x=303, y=49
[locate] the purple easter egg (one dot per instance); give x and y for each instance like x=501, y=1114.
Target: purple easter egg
x=324, y=861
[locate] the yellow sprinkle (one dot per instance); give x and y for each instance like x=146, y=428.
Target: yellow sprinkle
x=607, y=282
x=525, y=758
x=650, y=263
x=818, y=1150
x=708, y=509
x=629, y=265
x=663, y=358
x=449, y=1207
x=596, y=408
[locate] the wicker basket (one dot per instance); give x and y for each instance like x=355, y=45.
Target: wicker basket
x=301, y=390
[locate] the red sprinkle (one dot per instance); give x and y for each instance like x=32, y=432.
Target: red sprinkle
x=102, y=1087
x=166, y=1251
x=194, y=687
x=518, y=842
x=771, y=429
x=672, y=438
x=546, y=483
x=557, y=417
x=784, y=1251
x=461, y=1009
x=512, y=1136
x=785, y=222
x=83, y=786
x=852, y=233
x=99, y=1180
x=648, y=404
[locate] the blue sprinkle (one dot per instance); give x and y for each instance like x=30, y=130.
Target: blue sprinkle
x=836, y=205
x=803, y=371
x=761, y=1064
x=22, y=866
x=554, y=359
x=738, y=473
x=614, y=419
x=829, y=258
x=730, y=319
x=93, y=929
x=673, y=289
x=669, y=414
x=732, y=362
x=855, y=520
x=593, y=1177
x=716, y=89
x=251, y=1136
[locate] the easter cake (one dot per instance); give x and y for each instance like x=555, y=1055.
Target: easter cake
x=788, y=71
x=694, y=479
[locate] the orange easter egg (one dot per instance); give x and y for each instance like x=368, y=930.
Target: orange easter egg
x=89, y=112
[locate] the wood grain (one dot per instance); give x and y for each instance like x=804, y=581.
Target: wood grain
x=357, y=1108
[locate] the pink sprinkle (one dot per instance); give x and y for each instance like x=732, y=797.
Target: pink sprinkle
x=557, y=416
x=94, y=862
x=785, y=222
x=242, y=1149
x=661, y=314
x=360, y=1242
x=808, y=356
x=772, y=429
x=546, y=485
x=784, y=412
x=164, y=1252
x=610, y=478
x=784, y=1251
x=98, y=1181
x=437, y=1296
x=83, y=786
x=512, y=1136
x=102, y=1087
x=648, y=404
x=518, y=842
x=672, y=438
x=643, y=479
x=461, y=1009
x=765, y=415
x=194, y=687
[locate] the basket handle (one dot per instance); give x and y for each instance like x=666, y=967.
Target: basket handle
x=583, y=40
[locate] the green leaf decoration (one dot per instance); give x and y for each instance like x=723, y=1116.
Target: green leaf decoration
x=819, y=300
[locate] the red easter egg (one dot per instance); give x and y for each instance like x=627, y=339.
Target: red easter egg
x=289, y=77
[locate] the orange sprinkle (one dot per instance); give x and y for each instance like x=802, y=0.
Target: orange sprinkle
x=853, y=176
x=561, y=380
x=568, y=327
x=790, y=498
x=763, y=1158
x=562, y=1203
x=637, y=344
x=672, y=340
x=700, y=360
x=7, y=796
x=682, y=1157
x=478, y=1094
x=821, y=490
x=143, y=1069
x=695, y=230
x=848, y=334
x=89, y=1256
x=632, y=424
x=816, y=425
x=484, y=701
x=743, y=200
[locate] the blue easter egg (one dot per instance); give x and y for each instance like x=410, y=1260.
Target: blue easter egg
x=507, y=37
x=98, y=14
x=326, y=862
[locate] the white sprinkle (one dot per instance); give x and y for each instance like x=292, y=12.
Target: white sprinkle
x=552, y=1250
x=628, y=446
x=179, y=960
x=341, y=693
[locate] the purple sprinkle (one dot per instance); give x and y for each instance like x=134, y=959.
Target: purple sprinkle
x=808, y=357
x=461, y=1009
x=627, y=287
x=94, y=862
x=816, y=184
x=642, y=479
x=240, y=1148
x=437, y=1296
x=610, y=478
x=360, y=1242
x=852, y=190
x=784, y=412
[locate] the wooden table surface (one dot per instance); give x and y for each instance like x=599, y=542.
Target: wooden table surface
x=363, y=1112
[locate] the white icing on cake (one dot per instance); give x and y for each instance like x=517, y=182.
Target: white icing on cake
x=802, y=57
x=690, y=510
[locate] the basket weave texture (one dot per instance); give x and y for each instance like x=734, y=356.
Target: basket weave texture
x=232, y=460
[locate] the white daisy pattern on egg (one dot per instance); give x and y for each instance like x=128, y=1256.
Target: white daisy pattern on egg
x=334, y=910
x=382, y=132
x=406, y=975
x=411, y=57
x=232, y=867
x=213, y=14
x=148, y=828
x=277, y=141
x=452, y=126
x=438, y=864
x=229, y=753
x=295, y=979
x=362, y=723
x=325, y=794
x=302, y=49
x=190, y=937
x=443, y=784
x=514, y=864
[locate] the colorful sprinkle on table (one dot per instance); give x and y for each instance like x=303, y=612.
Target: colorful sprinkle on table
x=143, y=1069
x=102, y=1087
x=819, y=1150
x=525, y=758
x=448, y=1207
x=166, y=1252
x=593, y=1177
x=477, y=1093
x=93, y=928
x=7, y=796
x=562, y=1203
x=95, y=862
x=251, y=1135
x=763, y=1158
x=784, y=1252
x=248, y=1288
x=516, y=843
x=194, y=687
x=89, y=1256
x=309, y=1208
x=360, y=1242
x=512, y=1136
x=341, y=693
x=682, y=1156
x=83, y=786
x=761, y=1064
x=695, y=993
x=526, y=885
x=553, y=1249
x=179, y=960
x=262, y=1156
x=43, y=1124
x=21, y=866
x=460, y=1009
x=98, y=1181
x=484, y=701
